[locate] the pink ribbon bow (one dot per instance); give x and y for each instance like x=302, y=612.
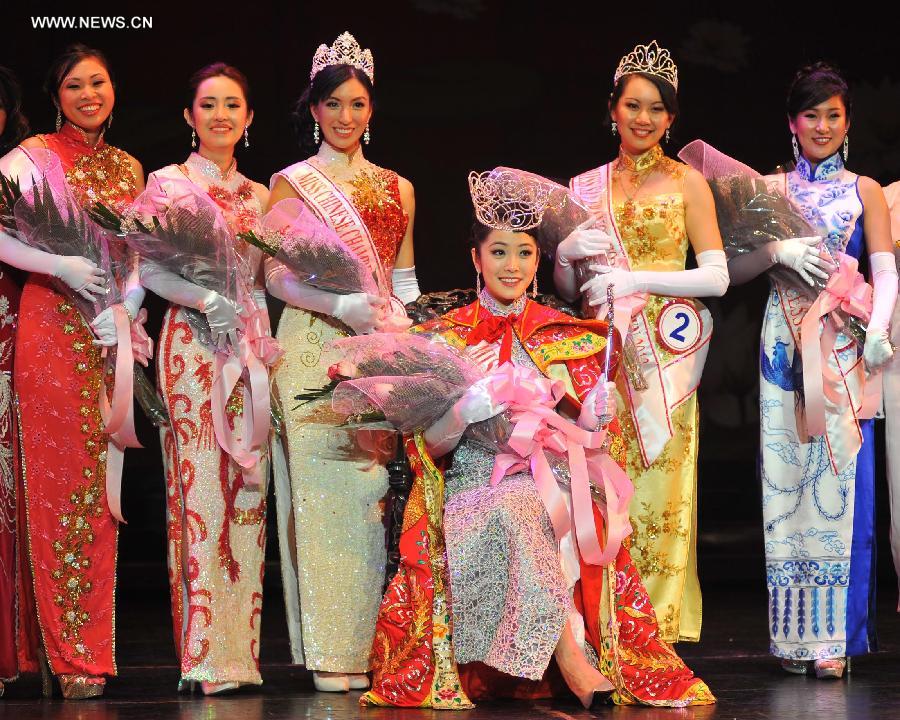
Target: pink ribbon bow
x=539, y=429
x=848, y=291
x=141, y=344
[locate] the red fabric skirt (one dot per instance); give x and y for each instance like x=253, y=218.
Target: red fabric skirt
x=69, y=537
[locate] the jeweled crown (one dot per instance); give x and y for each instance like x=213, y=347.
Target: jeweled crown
x=509, y=199
x=345, y=51
x=650, y=59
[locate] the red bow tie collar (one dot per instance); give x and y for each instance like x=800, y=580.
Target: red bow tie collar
x=492, y=328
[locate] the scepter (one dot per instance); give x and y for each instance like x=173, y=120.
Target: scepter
x=610, y=329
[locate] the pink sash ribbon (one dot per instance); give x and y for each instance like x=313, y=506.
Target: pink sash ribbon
x=256, y=350
x=847, y=291
x=538, y=428
x=118, y=416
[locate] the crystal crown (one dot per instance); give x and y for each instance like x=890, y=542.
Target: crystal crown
x=650, y=59
x=345, y=51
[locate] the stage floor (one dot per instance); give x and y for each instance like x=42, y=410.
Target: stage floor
x=732, y=657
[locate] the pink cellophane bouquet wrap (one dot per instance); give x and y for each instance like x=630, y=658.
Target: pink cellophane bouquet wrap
x=413, y=379
x=49, y=217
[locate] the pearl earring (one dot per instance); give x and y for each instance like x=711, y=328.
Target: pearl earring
x=193, y=138
x=367, y=136
x=614, y=127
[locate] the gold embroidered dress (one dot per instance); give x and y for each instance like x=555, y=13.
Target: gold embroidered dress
x=330, y=524
x=216, y=526
x=651, y=229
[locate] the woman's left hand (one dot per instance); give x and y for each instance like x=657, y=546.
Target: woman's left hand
x=624, y=283
x=878, y=350
x=104, y=327
x=599, y=407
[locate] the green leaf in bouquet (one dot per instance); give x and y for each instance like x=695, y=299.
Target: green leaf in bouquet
x=10, y=191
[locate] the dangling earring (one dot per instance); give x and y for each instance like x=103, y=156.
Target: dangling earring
x=246, y=137
x=534, y=286
x=58, y=120
x=109, y=122
x=477, y=283
x=367, y=135
x=193, y=138
x=846, y=147
x=796, y=148
x=614, y=127
x=316, y=132
x=667, y=136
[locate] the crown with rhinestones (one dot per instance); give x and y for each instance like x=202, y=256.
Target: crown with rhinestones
x=345, y=51
x=650, y=59
x=512, y=200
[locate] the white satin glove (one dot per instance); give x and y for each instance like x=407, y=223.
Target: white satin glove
x=599, y=407
x=624, y=283
x=104, y=327
x=405, y=284
x=878, y=350
x=584, y=241
x=803, y=256
x=222, y=316
x=361, y=311
x=474, y=406
x=80, y=274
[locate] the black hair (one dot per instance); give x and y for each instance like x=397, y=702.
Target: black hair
x=813, y=85
x=666, y=91
x=326, y=81
x=11, y=101
x=67, y=60
x=480, y=232
x=218, y=69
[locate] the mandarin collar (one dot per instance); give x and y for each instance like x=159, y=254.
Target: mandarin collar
x=331, y=156
x=642, y=162
x=77, y=136
x=825, y=170
x=209, y=169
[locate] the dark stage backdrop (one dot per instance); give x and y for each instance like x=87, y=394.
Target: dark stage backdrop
x=470, y=84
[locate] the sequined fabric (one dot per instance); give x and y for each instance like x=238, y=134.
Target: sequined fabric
x=69, y=536
x=335, y=518
x=664, y=506
x=215, y=525
x=9, y=307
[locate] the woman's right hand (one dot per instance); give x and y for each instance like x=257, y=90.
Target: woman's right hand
x=476, y=403
x=803, y=255
x=361, y=311
x=584, y=241
x=80, y=274
x=222, y=316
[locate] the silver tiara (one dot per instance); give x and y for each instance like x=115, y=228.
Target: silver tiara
x=345, y=51
x=510, y=199
x=650, y=59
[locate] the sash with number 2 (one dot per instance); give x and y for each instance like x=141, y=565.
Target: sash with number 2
x=671, y=379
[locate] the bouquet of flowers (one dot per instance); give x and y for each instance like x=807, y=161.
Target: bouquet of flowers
x=47, y=216
x=291, y=233
x=751, y=214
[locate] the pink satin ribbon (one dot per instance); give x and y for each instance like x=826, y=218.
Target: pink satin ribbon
x=118, y=416
x=538, y=428
x=256, y=350
x=141, y=344
x=847, y=291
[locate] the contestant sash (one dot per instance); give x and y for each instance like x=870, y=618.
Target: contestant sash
x=670, y=382
x=333, y=207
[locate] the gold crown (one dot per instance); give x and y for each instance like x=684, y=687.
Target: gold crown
x=509, y=199
x=650, y=59
x=345, y=51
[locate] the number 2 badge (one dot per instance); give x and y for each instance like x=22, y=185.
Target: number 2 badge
x=679, y=327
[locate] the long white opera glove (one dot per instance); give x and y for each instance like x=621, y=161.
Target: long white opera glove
x=599, y=407
x=708, y=279
x=474, y=406
x=877, y=350
x=405, y=284
x=584, y=241
x=361, y=311
x=221, y=313
x=79, y=273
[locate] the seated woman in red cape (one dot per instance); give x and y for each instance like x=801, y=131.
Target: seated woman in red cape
x=516, y=556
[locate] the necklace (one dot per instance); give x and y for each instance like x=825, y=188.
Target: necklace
x=640, y=169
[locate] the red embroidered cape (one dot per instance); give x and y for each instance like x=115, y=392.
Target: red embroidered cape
x=413, y=664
